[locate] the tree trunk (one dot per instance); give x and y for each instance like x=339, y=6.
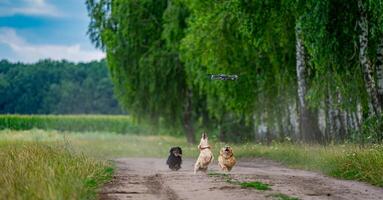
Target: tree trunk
x=308, y=126
x=188, y=118
x=342, y=132
x=330, y=118
x=364, y=60
x=295, y=115
x=355, y=120
x=222, y=129
x=266, y=127
x=281, y=128
x=379, y=70
x=350, y=122
x=289, y=122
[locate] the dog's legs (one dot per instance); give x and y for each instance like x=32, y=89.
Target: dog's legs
x=220, y=165
x=228, y=169
x=196, y=166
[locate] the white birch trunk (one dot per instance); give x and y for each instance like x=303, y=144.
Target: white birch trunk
x=364, y=61
x=379, y=70
x=355, y=120
x=255, y=128
x=308, y=124
x=342, y=118
x=294, y=121
x=330, y=118
x=350, y=121
x=301, y=69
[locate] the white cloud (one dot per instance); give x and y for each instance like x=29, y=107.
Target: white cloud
x=28, y=7
x=26, y=52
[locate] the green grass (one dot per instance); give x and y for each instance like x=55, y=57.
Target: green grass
x=363, y=165
x=342, y=161
x=34, y=170
x=72, y=123
x=104, y=145
x=215, y=174
x=255, y=184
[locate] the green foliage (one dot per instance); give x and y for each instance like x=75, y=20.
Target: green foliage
x=52, y=87
x=160, y=52
x=40, y=171
x=76, y=123
x=142, y=54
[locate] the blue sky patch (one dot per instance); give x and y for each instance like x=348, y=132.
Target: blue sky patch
x=31, y=30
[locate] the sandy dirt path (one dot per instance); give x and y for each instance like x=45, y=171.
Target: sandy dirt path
x=149, y=178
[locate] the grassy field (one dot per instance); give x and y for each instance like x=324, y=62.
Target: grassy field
x=35, y=170
x=73, y=123
x=343, y=161
x=66, y=157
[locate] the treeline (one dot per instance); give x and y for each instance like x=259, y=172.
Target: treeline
x=308, y=71
x=56, y=87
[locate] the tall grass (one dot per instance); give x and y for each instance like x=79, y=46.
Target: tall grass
x=74, y=123
x=31, y=170
x=104, y=145
x=343, y=161
x=363, y=165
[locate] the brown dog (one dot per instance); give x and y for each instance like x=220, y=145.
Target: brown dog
x=205, y=156
x=226, y=159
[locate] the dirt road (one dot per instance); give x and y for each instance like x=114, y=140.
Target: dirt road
x=149, y=178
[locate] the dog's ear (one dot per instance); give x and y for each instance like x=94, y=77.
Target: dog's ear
x=179, y=148
x=204, y=135
x=171, y=149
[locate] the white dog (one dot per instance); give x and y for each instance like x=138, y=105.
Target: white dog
x=205, y=156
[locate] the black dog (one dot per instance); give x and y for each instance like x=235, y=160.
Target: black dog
x=175, y=158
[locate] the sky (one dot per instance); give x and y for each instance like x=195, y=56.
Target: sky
x=31, y=30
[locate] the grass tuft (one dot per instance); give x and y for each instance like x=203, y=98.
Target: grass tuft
x=215, y=174
x=255, y=184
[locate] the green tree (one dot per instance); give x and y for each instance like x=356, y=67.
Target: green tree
x=56, y=87
x=141, y=41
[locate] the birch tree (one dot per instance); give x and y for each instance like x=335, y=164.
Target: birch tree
x=308, y=125
x=365, y=61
